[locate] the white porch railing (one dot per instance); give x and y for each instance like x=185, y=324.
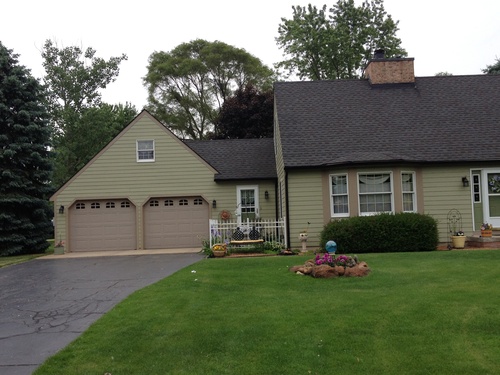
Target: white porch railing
x=267, y=230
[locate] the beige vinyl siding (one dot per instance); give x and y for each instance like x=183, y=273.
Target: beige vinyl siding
x=443, y=191
x=306, y=205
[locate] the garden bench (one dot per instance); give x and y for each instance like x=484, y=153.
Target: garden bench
x=239, y=238
x=246, y=242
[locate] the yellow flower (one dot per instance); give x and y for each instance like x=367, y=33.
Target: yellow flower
x=219, y=247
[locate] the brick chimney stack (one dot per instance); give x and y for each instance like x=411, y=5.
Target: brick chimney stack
x=381, y=71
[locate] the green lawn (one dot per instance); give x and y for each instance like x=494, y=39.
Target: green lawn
x=11, y=260
x=416, y=313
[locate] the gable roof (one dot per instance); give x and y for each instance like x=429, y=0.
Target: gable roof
x=238, y=159
x=143, y=115
x=437, y=119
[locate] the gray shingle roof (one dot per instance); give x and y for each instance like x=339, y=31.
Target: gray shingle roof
x=237, y=159
x=439, y=119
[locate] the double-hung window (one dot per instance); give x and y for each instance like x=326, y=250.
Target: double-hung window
x=146, y=151
x=408, y=191
x=339, y=195
x=375, y=193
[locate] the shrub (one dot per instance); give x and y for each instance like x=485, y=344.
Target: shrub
x=382, y=233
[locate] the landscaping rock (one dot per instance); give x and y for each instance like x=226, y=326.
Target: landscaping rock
x=326, y=271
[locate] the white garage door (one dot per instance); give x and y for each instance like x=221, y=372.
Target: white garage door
x=180, y=222
x=102, y=225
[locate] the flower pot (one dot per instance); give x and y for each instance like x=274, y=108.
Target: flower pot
x=486, y=233
x=458, y=242
x=58, y=250
x=219, y=253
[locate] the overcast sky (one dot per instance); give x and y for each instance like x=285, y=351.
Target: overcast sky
x=456, y=36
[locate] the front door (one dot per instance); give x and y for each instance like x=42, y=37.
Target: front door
x=247, y=203
x=491, y=193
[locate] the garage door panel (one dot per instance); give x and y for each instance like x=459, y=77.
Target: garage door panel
x=182, y=223
x=102, y=225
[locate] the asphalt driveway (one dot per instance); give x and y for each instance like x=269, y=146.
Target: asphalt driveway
x=47, y=303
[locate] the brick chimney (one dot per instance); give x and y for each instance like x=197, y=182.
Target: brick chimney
x=381, y=71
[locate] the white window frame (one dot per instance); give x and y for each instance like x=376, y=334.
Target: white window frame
x=239, y=189
x=332, y=209
x=413, y=192
x=149, y=160
x=391, y=193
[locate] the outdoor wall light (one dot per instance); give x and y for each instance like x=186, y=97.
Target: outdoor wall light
x=61, y=209
x=465, y=182
x=214, y=204
x=266, y=194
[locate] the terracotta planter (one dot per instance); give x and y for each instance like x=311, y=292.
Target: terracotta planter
x=458, y=242
x=486, y=233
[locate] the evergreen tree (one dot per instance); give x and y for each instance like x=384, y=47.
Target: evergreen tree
x=25, y=214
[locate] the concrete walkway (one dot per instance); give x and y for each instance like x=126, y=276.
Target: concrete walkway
x=48, y=302
x=114, y=253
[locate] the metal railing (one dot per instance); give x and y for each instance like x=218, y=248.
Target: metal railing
x=266, y=230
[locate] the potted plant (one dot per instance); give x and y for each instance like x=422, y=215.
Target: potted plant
x=219, y=250
x=486, y=230
x=59, y=248
x=458, y=240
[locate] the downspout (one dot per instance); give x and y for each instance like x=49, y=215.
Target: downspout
x=276, y=202
x=287, y=210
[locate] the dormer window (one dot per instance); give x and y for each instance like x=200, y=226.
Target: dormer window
x=146, y=151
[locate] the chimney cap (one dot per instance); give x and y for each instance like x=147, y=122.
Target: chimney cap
x=379, y=53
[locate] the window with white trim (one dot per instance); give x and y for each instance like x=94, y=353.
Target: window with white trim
x=146, y=151
x=375, y=193
x=339, y=195
x=408, y=191
x=476, y=188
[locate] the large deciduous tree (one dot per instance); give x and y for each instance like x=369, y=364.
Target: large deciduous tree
x=81, y=123
x=25, y=165
x=319, y=46
x=247, y=114
x=188, y=85
x=493, y=69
